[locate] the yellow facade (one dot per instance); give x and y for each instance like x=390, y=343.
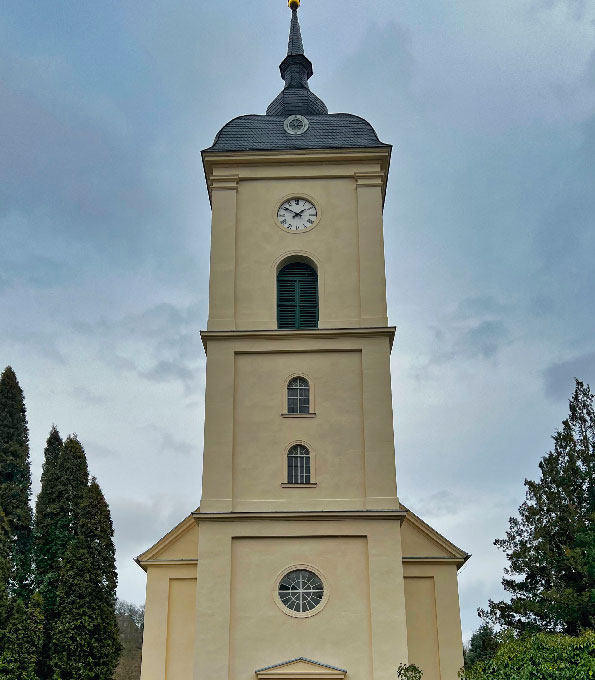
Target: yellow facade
x=390, y=582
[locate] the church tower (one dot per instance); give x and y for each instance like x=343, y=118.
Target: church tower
x=300, y=561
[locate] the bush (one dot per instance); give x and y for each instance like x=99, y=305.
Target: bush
x=411, y=672
x=542, y=656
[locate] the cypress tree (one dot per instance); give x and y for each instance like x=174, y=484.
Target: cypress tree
x=15, y=479
x=4, y=576
x=64, y=481
x=48, y=545
x=551, y=545
x=86, y=643
x=23, y=641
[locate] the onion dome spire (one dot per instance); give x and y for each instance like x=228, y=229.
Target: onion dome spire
x=296, y=69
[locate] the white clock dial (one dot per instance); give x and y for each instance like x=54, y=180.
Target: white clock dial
x=297, y=214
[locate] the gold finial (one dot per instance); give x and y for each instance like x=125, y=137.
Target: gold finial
x=294, y=4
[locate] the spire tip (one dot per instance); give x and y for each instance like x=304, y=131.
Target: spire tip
x=294, y=4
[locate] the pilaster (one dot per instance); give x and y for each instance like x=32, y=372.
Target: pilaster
x=369, y=187
x=223, y=190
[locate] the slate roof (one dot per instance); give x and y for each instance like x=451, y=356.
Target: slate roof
x=295, y=46
x=326, y=131
x=267, y=133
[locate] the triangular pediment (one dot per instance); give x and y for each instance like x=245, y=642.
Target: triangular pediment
x=420, y=541
x=180, y=544
x=300, y=669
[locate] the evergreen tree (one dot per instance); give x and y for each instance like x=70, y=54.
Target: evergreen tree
x=64, y=481
x=48, y=544
x=15, y=479
x=86, y=643
x=482, y=645
x=24, y=636
x=551, y=545
x=4, y=576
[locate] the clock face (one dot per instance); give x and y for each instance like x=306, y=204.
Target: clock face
x=297, y=214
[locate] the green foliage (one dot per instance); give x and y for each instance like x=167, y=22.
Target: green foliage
x=411, y=672
x=48, y=544
x=15, y=480
x=551, y=545
x=4, y=575
x=482, y=646
x=541, y=656
x=64, y=481
x=86, y=643
x=23, y=641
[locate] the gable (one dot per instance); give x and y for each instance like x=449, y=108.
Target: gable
x=420, y=541
x=418, y=544
x=300, y=669
x=180, y=544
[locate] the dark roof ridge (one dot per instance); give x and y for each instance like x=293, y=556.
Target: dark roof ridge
x=257, y=132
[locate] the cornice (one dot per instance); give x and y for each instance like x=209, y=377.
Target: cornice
x=145, y=564
x=319, y=333
x=436, y=560
x=318, y=515
x=213, y=159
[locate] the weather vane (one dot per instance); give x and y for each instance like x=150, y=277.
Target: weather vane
x=294, y=4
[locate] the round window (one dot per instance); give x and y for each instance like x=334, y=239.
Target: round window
x=301, y=591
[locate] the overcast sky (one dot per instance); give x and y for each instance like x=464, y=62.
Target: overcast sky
x=489, y=222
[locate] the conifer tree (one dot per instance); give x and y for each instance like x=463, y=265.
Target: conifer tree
x=482, y=645
x=86, y=643
x=64, y=481
x=23, y=640
x=15, y=479
x=4, y=576
x=551, y=545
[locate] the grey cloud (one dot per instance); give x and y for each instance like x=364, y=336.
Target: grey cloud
x=481, y=305
x=44, y=344
x=37, y=270
x=65, y=156
x=166, y=371
x=160, y=344
x=471, y=339
x=439, y=503
x=115, y=361
x=559, y=377
x=84, y=394
x=170, y=444
x=483, y=340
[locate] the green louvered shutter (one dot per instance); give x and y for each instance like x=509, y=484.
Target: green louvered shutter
x=297, y=296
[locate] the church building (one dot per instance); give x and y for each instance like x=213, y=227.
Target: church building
x=301, y=562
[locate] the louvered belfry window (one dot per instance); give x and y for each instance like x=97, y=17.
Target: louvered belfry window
x=298, y=465
x=297, y=296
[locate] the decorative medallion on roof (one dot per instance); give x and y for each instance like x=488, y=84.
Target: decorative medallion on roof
x=296, y=69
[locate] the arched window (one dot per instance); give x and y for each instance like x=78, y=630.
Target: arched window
x=297, y=296
x=298, y=396
x=298, y=465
